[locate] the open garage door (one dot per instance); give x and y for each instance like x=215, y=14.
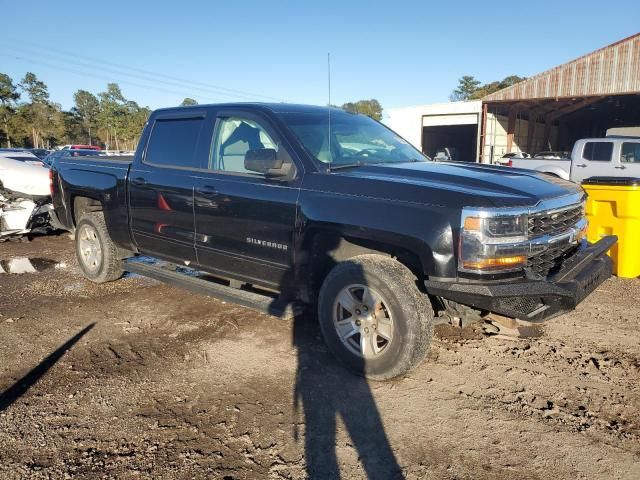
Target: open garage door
x=451, y=137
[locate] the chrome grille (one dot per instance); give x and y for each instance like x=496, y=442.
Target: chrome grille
x=554, y=222
x=551, y=223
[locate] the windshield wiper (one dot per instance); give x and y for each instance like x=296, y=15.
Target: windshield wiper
x=345, y=165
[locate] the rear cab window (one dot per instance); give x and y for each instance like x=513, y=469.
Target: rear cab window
x=598, y=151
x=173, y=142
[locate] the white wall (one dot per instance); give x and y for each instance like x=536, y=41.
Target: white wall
x=408, y=121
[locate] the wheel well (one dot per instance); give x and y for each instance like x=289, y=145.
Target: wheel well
x=82, y=205
x=323, y=250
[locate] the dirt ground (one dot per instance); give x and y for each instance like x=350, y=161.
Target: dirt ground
x=136, y=379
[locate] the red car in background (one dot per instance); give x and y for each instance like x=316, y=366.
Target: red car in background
x=81, y=147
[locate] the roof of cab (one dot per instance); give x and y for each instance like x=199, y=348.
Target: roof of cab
x=273, y=107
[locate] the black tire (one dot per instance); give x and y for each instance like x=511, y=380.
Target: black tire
x=408, y=307
x=109, y=267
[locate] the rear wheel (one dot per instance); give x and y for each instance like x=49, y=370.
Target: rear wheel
x=96, y=253
x=373, y=316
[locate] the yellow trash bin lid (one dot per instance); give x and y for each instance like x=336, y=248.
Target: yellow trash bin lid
x=612, y=181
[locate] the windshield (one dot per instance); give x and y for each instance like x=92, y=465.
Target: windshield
x=355, y=139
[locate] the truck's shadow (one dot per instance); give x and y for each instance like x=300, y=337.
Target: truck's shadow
x=19, y=388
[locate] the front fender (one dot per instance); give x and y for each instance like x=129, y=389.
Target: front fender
x=428, y=232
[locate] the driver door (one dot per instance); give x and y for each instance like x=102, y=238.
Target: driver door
x=245, y=221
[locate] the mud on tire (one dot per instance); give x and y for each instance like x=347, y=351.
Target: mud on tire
x=402, y=305
x=96, y=253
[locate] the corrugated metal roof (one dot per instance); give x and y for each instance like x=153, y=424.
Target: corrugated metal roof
x=612, y=70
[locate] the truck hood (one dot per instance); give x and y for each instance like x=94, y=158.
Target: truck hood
x=464, y=184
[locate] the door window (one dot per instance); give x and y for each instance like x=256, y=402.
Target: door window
x=630, y=152
x=173, y=142
x=598, y=151
x=234, y=137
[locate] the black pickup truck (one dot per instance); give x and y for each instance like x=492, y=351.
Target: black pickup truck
x=334, y=210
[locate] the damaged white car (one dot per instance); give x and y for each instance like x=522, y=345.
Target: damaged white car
x=25, y=199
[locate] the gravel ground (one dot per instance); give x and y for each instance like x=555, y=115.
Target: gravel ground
x=136, y=379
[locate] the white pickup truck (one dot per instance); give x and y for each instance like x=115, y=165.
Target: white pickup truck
x=591, y=157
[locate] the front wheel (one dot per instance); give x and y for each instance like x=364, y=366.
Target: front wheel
x=96, y=253
x=373, y=316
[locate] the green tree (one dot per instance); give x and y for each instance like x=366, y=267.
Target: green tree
x=120, y=120
x=53, y=128
x=35, y=89
x=39, y=113
x=136, y=117
x=87, y=108
x=371, y=108
x=74, y=130
x=467, y=86
x=9, y=95
x=112, y=113
x=492, y=87
x=471, y=89
x=20, y=127
x=188, y=102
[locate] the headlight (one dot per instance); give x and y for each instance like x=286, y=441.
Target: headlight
x=491, y=243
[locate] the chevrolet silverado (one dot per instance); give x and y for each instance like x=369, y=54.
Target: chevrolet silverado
x=334, y=210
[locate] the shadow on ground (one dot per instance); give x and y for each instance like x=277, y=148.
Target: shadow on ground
x=326, y=392
x=19, y=388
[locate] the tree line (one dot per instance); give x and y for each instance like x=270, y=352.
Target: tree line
x=28, y=117
x=471, y=89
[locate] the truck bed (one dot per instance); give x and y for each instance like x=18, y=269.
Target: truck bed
x=560, y=167
x=100, y=178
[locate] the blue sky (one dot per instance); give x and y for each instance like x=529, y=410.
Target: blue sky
x=400, y=52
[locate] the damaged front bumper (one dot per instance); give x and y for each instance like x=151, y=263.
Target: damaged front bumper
x=536, y=300
x=23, y=216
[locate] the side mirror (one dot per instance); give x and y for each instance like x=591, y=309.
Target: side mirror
x=263, y=160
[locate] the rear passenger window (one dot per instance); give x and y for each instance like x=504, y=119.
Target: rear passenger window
x=630, y=152
x=598, y=151
x=173, y=142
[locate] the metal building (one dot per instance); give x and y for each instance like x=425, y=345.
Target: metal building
x=585, y=97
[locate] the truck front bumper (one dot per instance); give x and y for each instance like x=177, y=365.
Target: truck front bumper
x=536, y=300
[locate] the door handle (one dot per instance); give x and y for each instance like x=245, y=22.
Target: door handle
x=620, y=167
x=581, y=165
x=138, y=181
x=206, y=190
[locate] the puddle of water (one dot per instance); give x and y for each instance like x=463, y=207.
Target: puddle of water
x=28, y=265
